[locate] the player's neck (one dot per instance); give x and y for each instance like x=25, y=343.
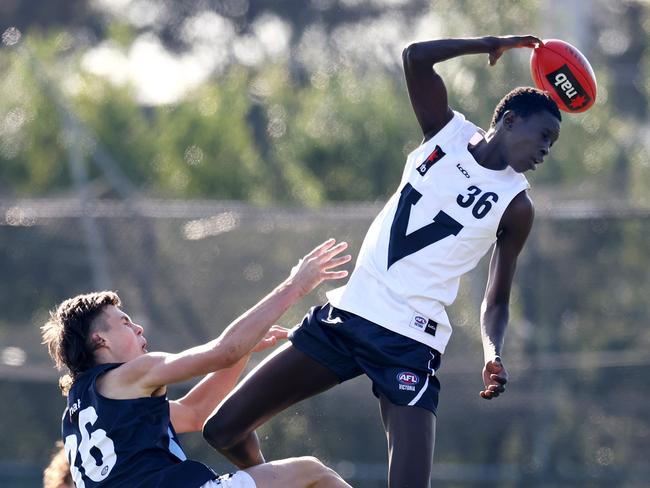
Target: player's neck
x=107, y=356
x=487, y=152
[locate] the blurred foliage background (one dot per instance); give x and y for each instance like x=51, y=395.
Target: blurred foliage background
x=186, y=153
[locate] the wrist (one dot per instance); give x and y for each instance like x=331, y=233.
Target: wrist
x=291, y=289
x=493, y=356
x=490, y=352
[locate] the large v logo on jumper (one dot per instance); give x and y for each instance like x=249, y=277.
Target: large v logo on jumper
x=400, y=244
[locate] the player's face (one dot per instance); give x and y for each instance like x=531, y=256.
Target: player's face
x=124, y=337
x=530, y=139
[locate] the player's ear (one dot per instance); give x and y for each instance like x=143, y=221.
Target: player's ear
x=97, y=340
x=508, y=119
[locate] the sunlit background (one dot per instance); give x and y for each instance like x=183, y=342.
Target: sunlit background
x=187, y=153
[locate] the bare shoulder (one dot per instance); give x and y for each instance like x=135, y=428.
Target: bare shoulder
x=521, y=208
x=127, y=380
x=519, y=215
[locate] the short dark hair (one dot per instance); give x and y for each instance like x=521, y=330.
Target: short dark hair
x=67, y=333
x=524, y=101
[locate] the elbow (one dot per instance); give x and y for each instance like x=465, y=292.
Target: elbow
x=226, y=354
x=410, y=54
x=424, y=54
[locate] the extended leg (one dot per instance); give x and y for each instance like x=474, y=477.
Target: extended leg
x=410, y=432
x=284, y=378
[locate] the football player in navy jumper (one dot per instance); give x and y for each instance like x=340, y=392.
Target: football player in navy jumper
x=462, y=192
x=119, y=429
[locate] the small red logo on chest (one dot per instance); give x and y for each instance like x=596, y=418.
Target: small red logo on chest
x=436, y=155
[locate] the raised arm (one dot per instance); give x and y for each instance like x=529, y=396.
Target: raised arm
x=515, y=227
x=426, y=88
x=146, y=374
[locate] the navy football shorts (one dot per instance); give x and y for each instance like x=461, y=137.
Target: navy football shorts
x=401, y=369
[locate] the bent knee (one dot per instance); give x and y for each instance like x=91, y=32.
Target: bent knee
x=310, y=462
x=219, y=433
x=313, y=469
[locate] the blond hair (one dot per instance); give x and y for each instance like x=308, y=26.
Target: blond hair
x=57, y=473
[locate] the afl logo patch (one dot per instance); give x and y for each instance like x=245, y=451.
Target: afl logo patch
x=424, y=324
x=408, y=378
x=436, y=155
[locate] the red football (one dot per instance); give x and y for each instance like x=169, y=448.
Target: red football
x=563, y=71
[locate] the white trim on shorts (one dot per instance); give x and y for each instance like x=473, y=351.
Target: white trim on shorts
x=238, y=479
x=426, y=383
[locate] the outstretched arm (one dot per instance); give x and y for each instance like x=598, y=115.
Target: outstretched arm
x=513, y=232
x=426, y=88
x=146, y=374
x=189, y=413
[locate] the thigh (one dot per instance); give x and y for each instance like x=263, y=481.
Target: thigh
x=410, y=433
x=295, y=473
x=284, y=378
x=401, y=369
x=284, y=473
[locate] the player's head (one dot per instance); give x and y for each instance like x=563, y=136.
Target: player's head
x=57, y=473
x=528, y=123
x=88, y=328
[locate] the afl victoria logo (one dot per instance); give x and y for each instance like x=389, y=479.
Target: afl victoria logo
x=408, y=378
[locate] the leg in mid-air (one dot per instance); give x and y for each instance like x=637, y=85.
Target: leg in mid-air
x=410, y=433
x=281, y=380
x=300, y=472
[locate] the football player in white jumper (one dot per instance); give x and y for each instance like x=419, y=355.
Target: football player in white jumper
x=462, y=192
